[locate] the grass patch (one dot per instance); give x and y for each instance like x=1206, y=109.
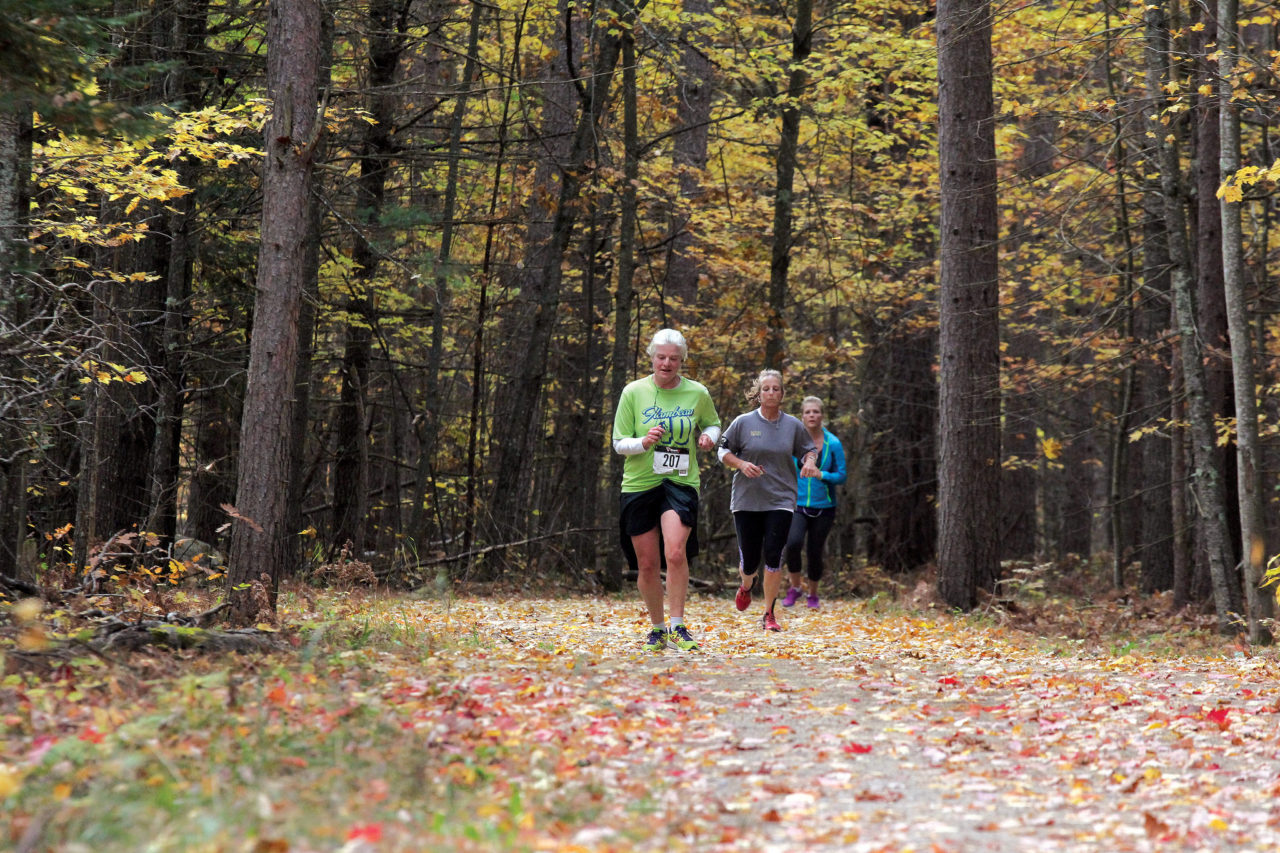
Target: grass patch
x=367, y=731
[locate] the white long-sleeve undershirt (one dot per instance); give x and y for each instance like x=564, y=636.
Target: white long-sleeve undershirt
x=628, y=446
x=635, y=446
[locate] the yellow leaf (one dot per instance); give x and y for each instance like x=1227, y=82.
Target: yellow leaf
x=32, y=639
x=1051, y=448
x=10, y=781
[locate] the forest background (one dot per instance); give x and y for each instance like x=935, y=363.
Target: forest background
x=489, y=208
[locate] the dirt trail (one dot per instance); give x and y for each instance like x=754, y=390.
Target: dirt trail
x=856, y=732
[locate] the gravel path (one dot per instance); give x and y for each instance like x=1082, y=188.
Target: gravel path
x=861, y=732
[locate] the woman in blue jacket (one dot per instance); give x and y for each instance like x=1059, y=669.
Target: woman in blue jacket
x=815, y=506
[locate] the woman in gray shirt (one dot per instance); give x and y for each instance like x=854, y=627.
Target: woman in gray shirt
x=761, y=447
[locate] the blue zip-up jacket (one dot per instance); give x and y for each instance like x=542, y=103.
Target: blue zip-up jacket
x=820, y=493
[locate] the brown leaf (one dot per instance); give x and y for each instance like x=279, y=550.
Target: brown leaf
x=235, y=513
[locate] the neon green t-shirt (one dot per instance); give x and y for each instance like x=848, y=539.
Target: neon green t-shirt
x=683, y=411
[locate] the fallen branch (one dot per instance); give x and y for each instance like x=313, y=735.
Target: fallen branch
x=700, y=583
x=133, y=637
x=8, y=583
x=489, y=549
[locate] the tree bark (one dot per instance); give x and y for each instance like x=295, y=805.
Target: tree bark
x=969, y=345
x=260, y=541
x=693, y=118
x=1154, y=450
x=622, y=364
x=1248, y=457
x=898, y=412
x=783, y=200
x=1210, y=293
x=1206, y=478
x=15, y=164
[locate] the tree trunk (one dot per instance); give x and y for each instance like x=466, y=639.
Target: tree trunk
x=181, y=29
x=520, y=396
x=1153, y=451
x=515, y=403
x=429, y=429
x=1206, y=478
x=15, y=164
x=783, y=200
x=170, y=379
x=351, y=455
x=901, y=443
x=476, y=418
x=1183, y=526
x=969, y=344
x=622, y=363
x=1248, y=458
x=213, y=477
x=260, y=541
x=1210, y=293
x=1023, y=404
x=689, y=156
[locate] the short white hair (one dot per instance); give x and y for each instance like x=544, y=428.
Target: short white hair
x=668, y=336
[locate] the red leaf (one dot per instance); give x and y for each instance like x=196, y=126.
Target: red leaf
x=857, y=748
x=365, y=832
x=1219, y=716
x=949, y=680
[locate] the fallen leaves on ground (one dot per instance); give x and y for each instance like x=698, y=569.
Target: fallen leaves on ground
x=489, y=723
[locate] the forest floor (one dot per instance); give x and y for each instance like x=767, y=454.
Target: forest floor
x=510, y=720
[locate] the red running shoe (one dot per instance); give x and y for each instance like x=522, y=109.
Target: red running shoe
x=769, y=623
x=743, y=599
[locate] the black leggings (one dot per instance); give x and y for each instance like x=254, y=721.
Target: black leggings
x=761, y=533
x=816, y=527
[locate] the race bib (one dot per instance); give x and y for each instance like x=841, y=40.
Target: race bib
x=670, y=460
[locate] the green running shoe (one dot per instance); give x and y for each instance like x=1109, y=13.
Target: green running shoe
x=657, y=640
x=683, y=640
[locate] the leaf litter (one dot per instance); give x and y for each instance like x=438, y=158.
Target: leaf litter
x=539, y=724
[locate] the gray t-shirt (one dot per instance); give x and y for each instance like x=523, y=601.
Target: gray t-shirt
x=773, y=445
